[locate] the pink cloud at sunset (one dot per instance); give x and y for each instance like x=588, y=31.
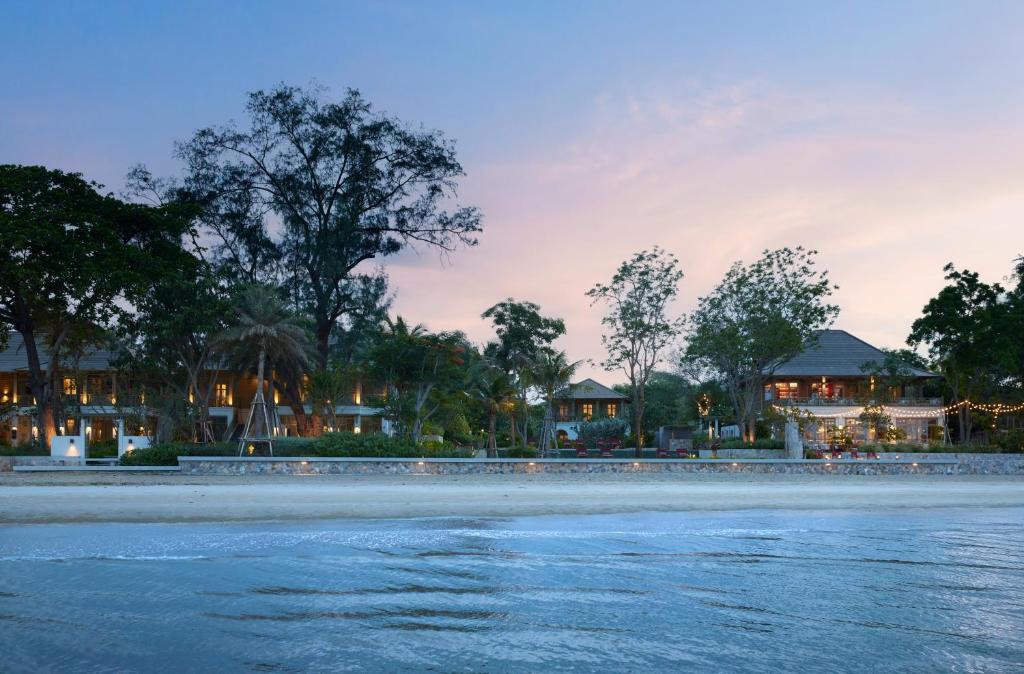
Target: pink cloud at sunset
x=716, y=174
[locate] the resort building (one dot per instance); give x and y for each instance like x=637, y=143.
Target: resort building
x=840, y=377
x=587, y=400
x=96, y=404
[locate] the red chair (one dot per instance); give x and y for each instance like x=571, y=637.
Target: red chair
x=854, y=454
x=662, y=453
x=581, y=450
x=871, y=455
x=682, y=452
x=605, y=450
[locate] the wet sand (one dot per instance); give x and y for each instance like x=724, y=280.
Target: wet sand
x=42, y=498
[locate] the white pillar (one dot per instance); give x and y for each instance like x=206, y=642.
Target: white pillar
x=794, y=443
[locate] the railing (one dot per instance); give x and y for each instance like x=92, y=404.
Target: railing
x=580, y=418
x=859, y=402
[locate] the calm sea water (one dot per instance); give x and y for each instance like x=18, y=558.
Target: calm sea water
x=939, y=590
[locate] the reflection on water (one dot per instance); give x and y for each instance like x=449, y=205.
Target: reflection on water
x=739, y=591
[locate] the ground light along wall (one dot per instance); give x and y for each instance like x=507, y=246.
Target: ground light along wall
x=990, y=464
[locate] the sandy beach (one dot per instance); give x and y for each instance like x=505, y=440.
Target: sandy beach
x=41, y=498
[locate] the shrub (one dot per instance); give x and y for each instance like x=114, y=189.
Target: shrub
x=102, y=449
x=330, y=445
x=602, y=429
x=23, y=450
x=383, y=446
x=759, y=443
x=167, y=453
x=1010, y=441
x=521, y=453
x=156, y=455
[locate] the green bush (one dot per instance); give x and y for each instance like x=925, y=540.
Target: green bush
x=908, y=448
x=156, y=455
x=24, y=450
x=166, y=454
x=521, y=453
x=759, y=443
x=382, y=446
x=291, y=446
x=342, y=444
x=102, y=449
x=1010, y=441
x=590, y=432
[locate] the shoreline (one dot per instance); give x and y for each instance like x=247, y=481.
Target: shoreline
x=64, y=499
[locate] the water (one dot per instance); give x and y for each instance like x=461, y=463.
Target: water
x=744, y=591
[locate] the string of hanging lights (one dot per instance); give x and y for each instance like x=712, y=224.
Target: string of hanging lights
x=930, y=413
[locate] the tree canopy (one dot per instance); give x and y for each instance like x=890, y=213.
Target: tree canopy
x=972, y=332
x=70, y=257
x=639, y=321
x=758, y=317
x=313, y=188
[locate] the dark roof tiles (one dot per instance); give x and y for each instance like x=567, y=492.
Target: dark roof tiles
x=837, y=353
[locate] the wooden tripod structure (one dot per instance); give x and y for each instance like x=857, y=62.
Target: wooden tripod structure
x=259, y=432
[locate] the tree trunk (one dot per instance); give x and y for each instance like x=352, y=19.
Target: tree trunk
x=41, y=388
x=323, y=343
x=526, y=420
x=512, y=427
x=638, y=431
x=492, y=434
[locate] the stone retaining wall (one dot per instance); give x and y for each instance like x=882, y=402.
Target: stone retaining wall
x=967, y=463
x=7, y=463
x=357, y=466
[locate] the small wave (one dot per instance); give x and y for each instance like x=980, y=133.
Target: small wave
x=105, y=558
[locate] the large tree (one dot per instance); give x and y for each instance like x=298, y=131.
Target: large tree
x=170, y=336
x=639, y=322
x=314, y=188
x=71, y=257
x=968, y=332
x=522, y=334
x=758, y=317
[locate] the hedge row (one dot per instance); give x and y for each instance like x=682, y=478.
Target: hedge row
x=370, y=445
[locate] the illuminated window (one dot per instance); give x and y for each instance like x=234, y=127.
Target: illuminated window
x=588, y=410
x=611, y=409
x=563, y=411
x=786, y=390
x=70, y=386
x=220, y=395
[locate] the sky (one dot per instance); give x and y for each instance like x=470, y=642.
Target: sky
x=889, y=136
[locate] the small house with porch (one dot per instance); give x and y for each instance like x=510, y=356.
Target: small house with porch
x=587, y=400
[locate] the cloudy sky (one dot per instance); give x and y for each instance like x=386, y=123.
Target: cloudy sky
x=889, y=136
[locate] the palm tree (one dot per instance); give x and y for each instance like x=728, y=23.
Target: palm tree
x=493, y=388
x=264, y=329
x=551, y=372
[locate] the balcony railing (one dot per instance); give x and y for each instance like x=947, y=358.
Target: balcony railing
x=859, y=402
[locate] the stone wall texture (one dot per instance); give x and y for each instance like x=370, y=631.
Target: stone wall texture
x=7, y=463
x=944, y=464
